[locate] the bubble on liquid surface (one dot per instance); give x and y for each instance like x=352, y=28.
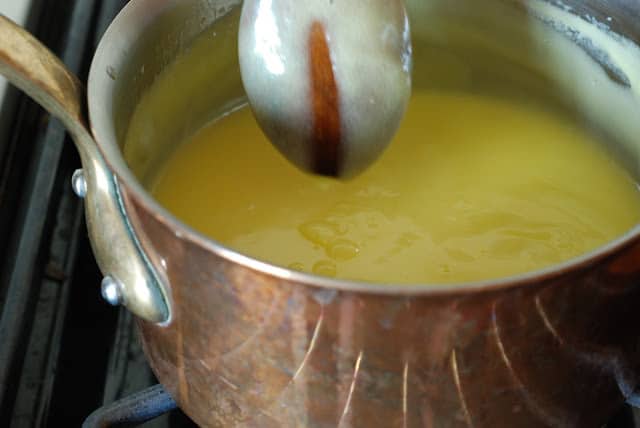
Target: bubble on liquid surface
x=325, y=268
x=343, y=250
x=296, y=266
x=319, y=232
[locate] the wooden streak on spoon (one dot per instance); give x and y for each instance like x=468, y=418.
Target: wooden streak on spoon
x=326, y=139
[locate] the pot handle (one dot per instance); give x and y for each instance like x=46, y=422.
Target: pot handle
x=131, y=279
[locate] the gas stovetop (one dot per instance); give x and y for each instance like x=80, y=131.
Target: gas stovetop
x=64, y=352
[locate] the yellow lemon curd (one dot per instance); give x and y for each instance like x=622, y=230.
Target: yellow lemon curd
x=473, y=187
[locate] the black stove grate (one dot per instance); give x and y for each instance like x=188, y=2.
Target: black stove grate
x=64, y=353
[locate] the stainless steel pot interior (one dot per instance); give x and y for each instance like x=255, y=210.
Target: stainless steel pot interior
x=562, y=53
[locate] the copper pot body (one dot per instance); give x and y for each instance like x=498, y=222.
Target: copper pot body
x=248, y=347
x=253, y=345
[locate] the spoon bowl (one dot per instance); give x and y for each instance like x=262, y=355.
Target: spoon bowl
x=328, y=81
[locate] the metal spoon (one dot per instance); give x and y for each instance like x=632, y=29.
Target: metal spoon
x=328, y=80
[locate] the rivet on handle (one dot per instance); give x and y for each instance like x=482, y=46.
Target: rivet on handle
x=112, y=291
x=79, y=183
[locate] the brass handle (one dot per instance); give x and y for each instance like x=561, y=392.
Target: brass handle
x=130, y=278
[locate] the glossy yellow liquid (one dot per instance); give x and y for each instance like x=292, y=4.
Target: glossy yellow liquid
x=472, y=188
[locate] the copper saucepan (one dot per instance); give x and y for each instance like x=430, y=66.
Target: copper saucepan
x=239, y=342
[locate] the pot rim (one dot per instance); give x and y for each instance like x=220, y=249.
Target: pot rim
x=129, y=25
